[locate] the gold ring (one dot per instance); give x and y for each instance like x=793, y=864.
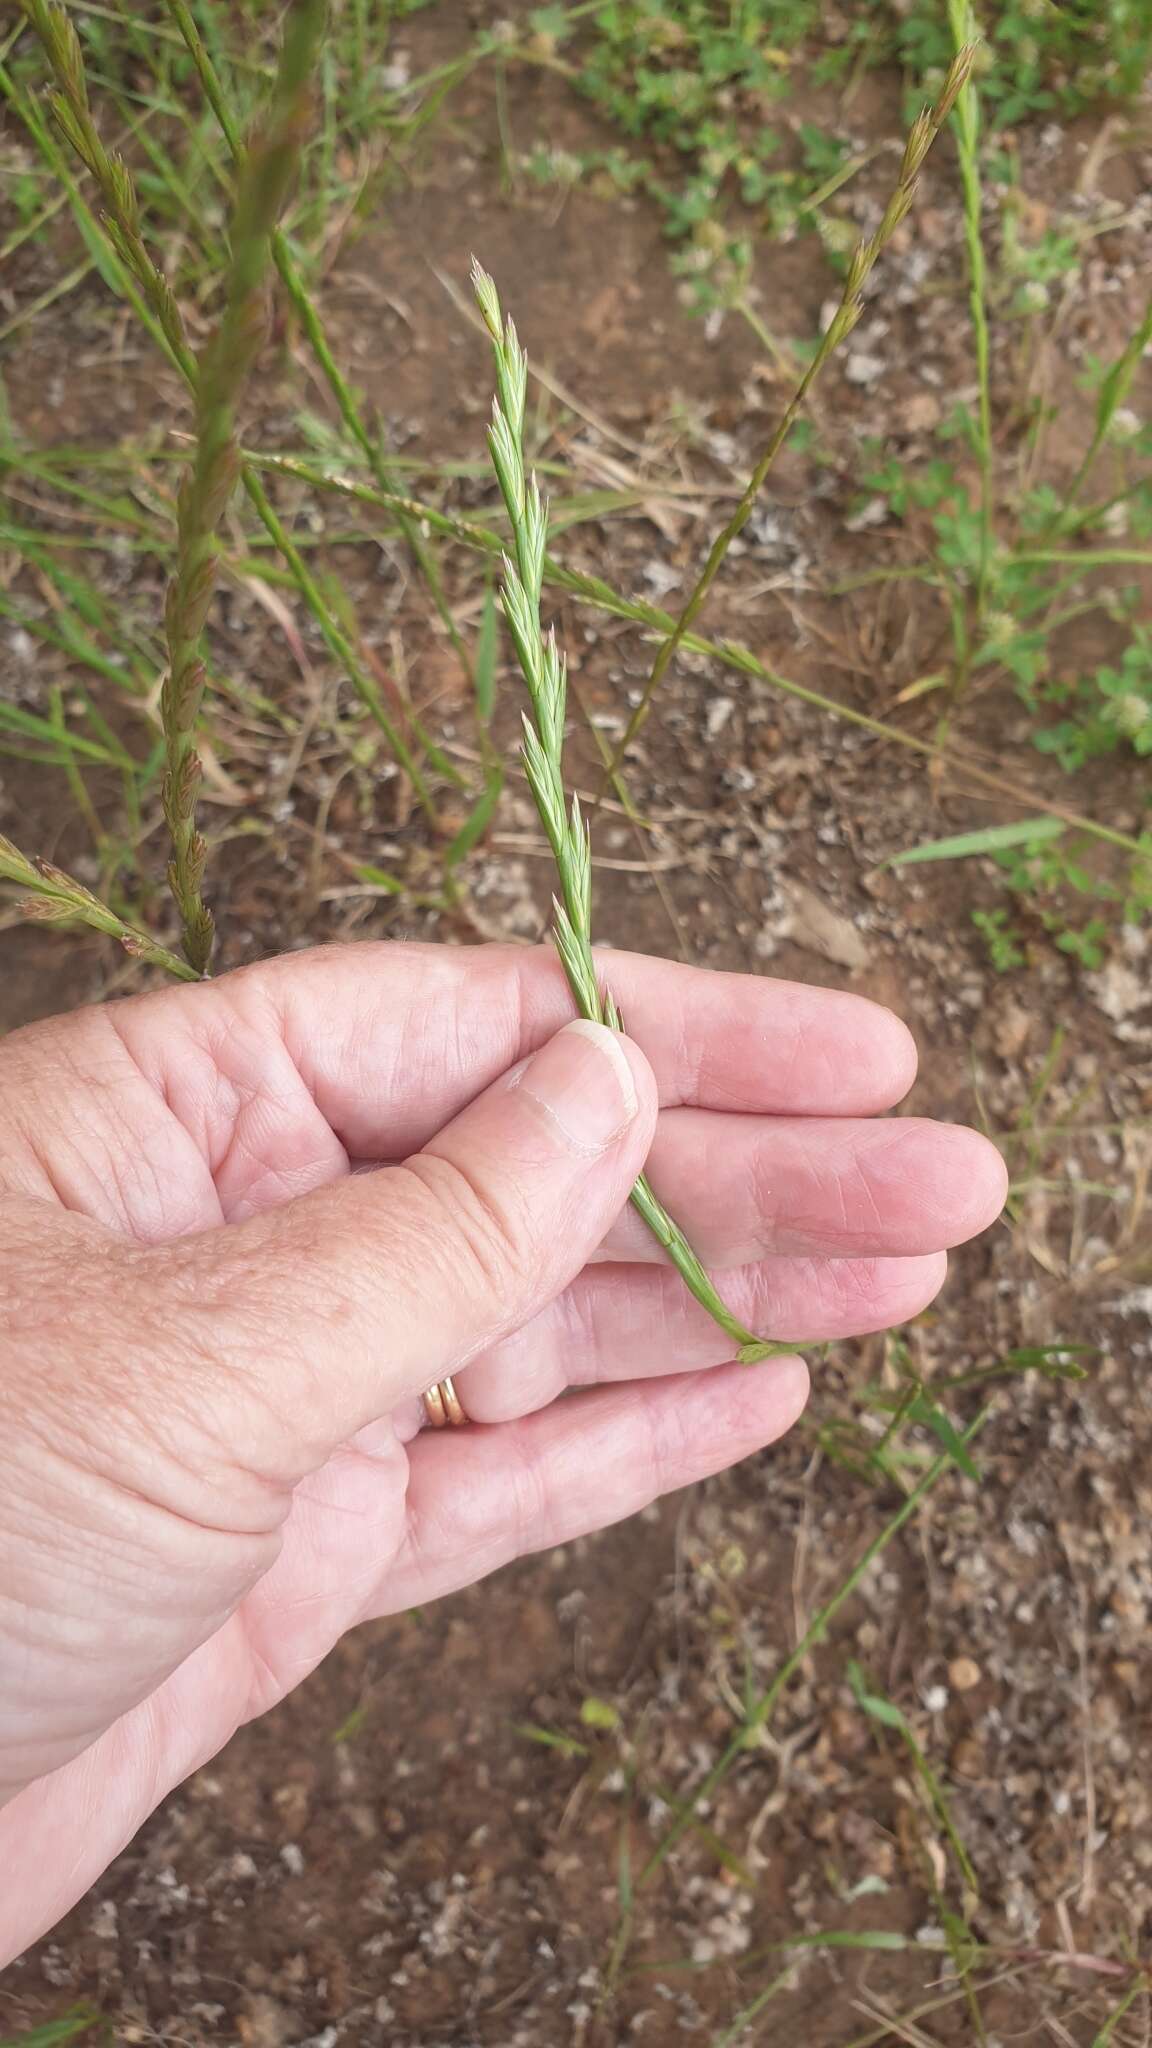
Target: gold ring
x=443, y=1407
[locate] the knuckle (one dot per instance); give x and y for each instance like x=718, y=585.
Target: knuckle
x=760, y=1199
x=530, y=1517
x=855, y=1285
x=672, y=1449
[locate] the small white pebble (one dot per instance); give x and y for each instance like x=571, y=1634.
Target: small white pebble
x=105, y=1920
x=863, y=369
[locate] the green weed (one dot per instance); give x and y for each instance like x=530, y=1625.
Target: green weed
x=1002, y=940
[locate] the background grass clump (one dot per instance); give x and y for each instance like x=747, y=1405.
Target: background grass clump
x=699, y=94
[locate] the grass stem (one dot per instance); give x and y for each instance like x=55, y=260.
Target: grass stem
x=221, y=374
x=593, y=590
x=861, y=263
x=762, y=1710
x=966, y=121
x=308, y=315
x=148, y=291
x=543, y=669
x=56, y=898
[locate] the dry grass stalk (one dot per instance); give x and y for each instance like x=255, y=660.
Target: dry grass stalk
x=221, y=374
x=862, y=262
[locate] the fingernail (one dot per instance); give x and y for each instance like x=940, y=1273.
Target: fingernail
x=582, y=1079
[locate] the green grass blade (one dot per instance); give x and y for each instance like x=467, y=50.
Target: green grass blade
x=944, y=1429
x=738, y=2029
x=487, y=651
x=13, y=718
x=991, y=839
x=80, y=2020
x=478, y=819
x=1107, y=2034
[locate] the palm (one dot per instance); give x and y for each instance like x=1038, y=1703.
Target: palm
x=202, y=1108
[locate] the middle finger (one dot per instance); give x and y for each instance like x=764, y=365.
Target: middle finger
x=749, y=1187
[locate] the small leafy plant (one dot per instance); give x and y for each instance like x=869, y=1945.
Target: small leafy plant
x=1001, y=940
x=1109, y=709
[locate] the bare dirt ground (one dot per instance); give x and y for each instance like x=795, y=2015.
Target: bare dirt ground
x=390, y=1858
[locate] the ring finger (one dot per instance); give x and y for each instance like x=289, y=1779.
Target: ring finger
x=639, y=1322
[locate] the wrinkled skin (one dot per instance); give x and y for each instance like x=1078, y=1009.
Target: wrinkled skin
x=214, y=1331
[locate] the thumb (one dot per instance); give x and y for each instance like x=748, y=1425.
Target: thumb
x=342, y=1304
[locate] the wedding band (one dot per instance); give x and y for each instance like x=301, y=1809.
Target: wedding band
x=443, y=1407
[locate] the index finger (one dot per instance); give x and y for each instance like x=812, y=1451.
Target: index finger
x=393, y=1040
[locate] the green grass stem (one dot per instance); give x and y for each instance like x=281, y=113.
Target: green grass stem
x=56, y=898
x=761, y=1711
x=543, y=669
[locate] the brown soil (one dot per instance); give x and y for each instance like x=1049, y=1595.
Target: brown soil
x=390, y=1857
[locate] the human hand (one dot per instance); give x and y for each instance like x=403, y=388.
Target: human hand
x=214, y=1335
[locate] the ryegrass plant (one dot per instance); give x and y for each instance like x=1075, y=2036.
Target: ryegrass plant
x=56, y=898
x=216, y=381
x=120, y=222
x=307, y=312
x=148, y=291
x=221, y=375
x=861, y=263
x=80, y=626
x=543, y=668
x=371, y=448
x=415, y=519
x=966, y=121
